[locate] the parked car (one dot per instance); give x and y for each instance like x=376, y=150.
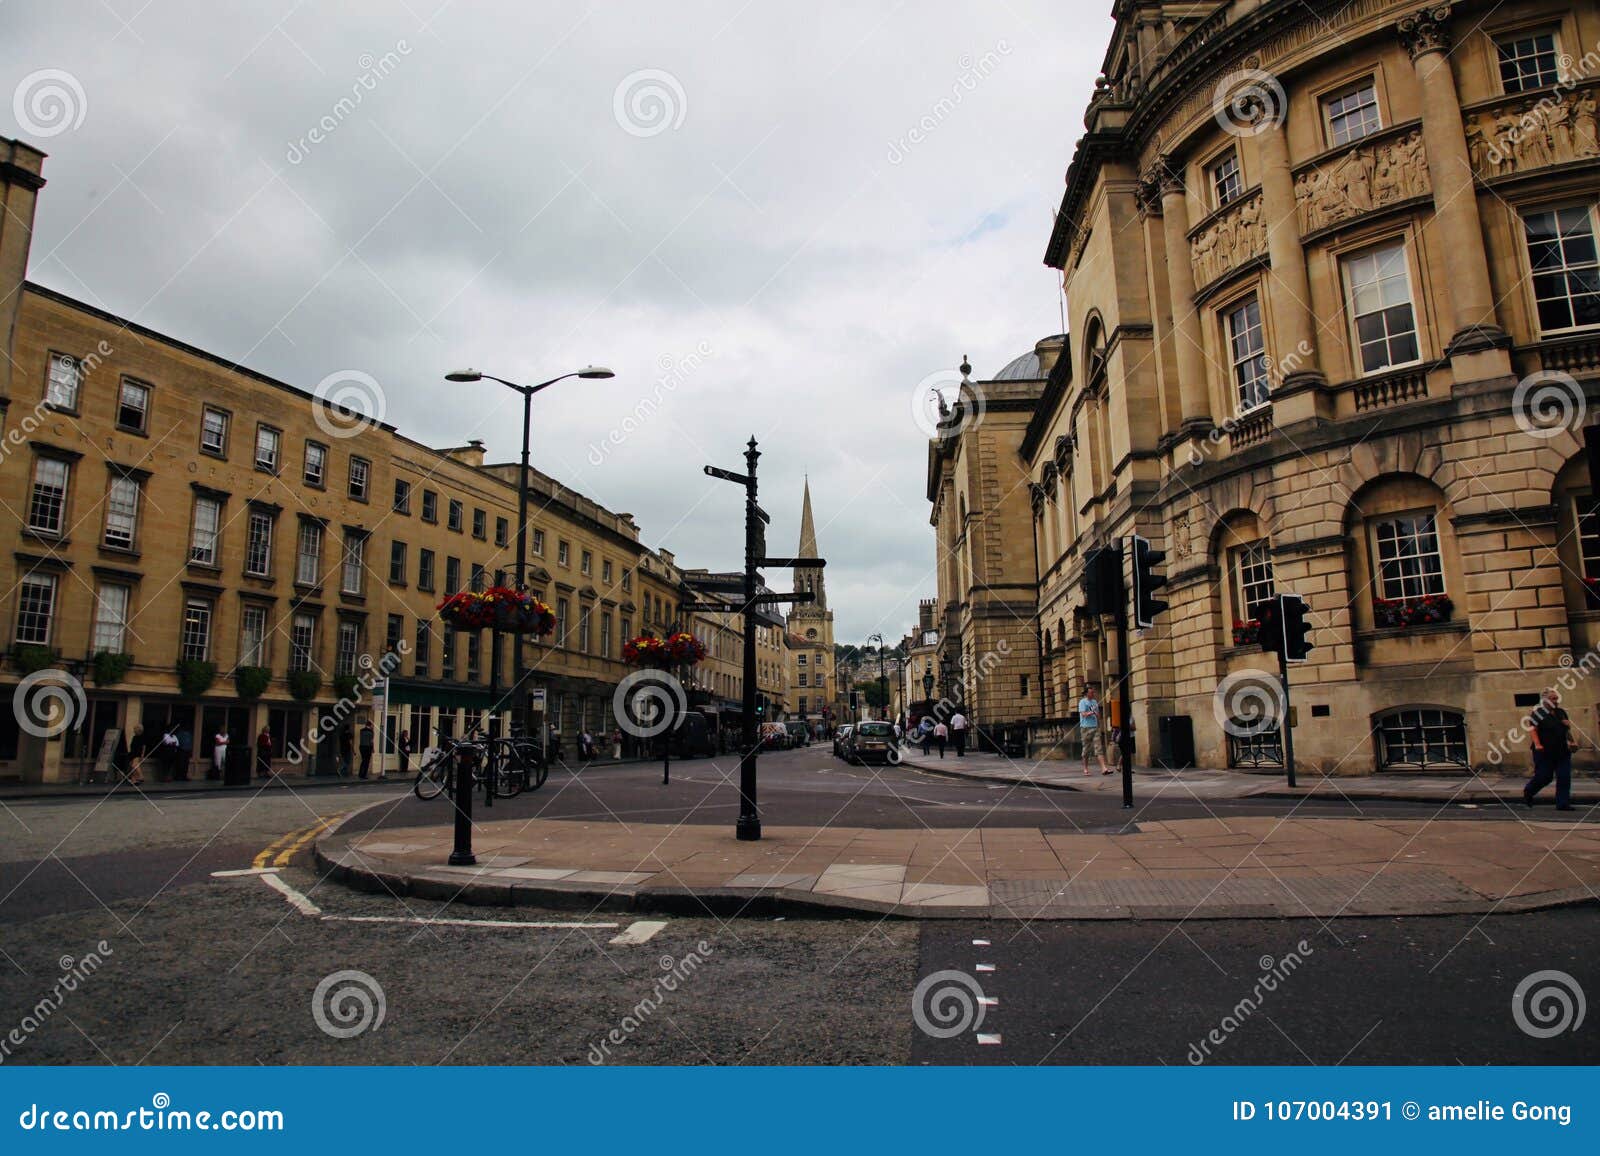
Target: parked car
x=694, y=738
x=774, y=737
x=799, y=733
x=873, y=742
x=841, y=740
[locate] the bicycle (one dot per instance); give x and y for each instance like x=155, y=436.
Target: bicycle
x=437, y=775
x=511, y=764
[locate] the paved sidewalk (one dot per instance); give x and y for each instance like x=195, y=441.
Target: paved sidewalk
x=1201, y=783
x=1260, y=866
x=296, y=781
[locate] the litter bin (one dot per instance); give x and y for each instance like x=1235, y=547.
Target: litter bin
x=236, y=764
x=1177, y=741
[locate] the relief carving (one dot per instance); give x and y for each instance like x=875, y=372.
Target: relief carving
x=1228, y=241
x=1366, y=177
x=1552, y=130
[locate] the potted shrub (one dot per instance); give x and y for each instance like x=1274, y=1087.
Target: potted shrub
x=195, y=678
x=252, y=681
x=31, y=659
x=346, y=686
x=305, y=685
x=110, y=668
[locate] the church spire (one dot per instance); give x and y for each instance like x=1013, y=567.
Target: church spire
x=808, y=530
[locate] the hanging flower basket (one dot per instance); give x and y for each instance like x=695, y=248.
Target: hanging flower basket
x=1403, y=613
x=499, y=608
x=1246, y=633
x=679, y=649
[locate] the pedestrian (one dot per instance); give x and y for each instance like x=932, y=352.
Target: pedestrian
x=927, y=734
x=1551, y=730
x=219, y=753
x=185, y=753
x=138, y=747
x=403, y=749
x=616, y=743
x=167, y=755
x=369, y=741
x=347, y=752
x=941, y=735
x=264, y=754
x=958, y=731
x=1089, y=732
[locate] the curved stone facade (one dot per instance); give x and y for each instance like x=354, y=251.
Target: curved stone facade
x=1335, y=321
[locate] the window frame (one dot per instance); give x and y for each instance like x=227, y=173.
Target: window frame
x=398, y=560
x=98, y=623
x=1499, y=42
x=214, y=560
x=192, y=603
x=353, y=561
x=1372, y=251
x=455, y=516
x=58, y=504
x=276, y=464
x=502, y=531
x=262, y=655
x=302, y=651
x=1375, y=546
x=42, y=579
x=425, y=569
x=1386, y=724
x=52, y=359
x=1236, y=364
x=253, y=518
x=116, y=481
x=430, y=506
x=359, y=491
x=125, y=384
x=402, y=496
x=220, y=451
x=319, y=481
x=1220, y=198
x=1342, y=92
x=1591, y=211
x=1242, y=559
x=316, y=534
x=480, y=523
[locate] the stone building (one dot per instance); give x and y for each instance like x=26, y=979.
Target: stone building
x=171, y=508
x=1331, y=283
x=987, y=659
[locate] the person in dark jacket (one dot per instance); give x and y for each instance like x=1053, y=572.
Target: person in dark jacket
x=185, y=751
x=138, y=748
x=1551, y=731
x=369, y=742
x=347, y=752
x=403, y=749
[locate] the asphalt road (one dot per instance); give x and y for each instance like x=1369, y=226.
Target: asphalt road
x=204, y=969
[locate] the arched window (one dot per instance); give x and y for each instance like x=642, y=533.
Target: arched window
x=1243, y=555
x=1416, y=738
x=1403, y=554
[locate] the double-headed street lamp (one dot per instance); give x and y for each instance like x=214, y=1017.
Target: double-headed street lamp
x=463, y=840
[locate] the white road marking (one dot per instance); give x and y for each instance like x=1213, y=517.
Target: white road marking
x=640, y=931
x=985, y=967
x=245, y=871
x=988, y=1037
x=989, y=1000
x=980, y=943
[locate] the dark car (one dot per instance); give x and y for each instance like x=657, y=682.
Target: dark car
x=841, y=741
x=694, y=738
x=799, y=733
x=873, y=742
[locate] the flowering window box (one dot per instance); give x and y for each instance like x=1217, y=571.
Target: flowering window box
x=1246, y=633
x=681, y=649
x=1591, y=590
x=1403, y=613
x=498, y=608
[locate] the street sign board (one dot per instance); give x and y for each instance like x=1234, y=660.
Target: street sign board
x=760, y=513
x=536, y=699
x=728, y=475
x=717, y=584
x=799, y=563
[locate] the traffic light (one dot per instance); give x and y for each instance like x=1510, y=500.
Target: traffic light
x=1146, y=583
x=1285, y=630
x=1102, y=581
x=1296, y=628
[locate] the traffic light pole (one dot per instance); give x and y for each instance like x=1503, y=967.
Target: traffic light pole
x=1283, y=681
x=749, y=824
x=1124, y=690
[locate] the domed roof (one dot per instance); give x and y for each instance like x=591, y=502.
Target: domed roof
x=1024, y=368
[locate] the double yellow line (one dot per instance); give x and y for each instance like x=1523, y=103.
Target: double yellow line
x=281, y=851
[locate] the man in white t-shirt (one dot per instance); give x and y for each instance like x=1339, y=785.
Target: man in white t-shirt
x=1089, y=729
x=958, y=732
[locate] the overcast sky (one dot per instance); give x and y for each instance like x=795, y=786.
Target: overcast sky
x=774, y=219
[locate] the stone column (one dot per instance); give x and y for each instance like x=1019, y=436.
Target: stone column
x=1477, y=347
x=1193, y=398
x=1297, y=373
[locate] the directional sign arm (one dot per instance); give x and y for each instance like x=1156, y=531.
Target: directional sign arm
x=728, y=476
x=793, y=563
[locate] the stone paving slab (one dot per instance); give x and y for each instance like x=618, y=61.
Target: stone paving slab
x=1208, y=868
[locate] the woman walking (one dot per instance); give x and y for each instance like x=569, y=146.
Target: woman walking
x=138, y=747
x=219, y=753
x=264, y=754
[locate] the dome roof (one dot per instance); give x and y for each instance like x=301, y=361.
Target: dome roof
x=1024, y=368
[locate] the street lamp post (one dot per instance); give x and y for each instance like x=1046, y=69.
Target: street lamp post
x=883, y=679
x=462, y=854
